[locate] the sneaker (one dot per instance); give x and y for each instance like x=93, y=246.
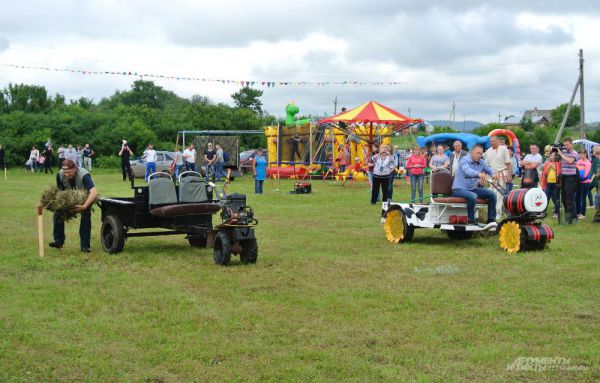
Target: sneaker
x=56, y=245
x=86, y=250
x=555, y=216
x=581, y=216
x=382, y=220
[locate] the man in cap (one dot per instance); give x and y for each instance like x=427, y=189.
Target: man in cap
x=72, y=177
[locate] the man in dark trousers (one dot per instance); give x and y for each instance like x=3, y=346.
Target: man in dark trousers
x=72, y=177
x=569, y=181
x=296, y=140
x=2, y=164
x=125, y=153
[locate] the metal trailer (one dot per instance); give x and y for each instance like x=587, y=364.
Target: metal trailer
x=183, y=209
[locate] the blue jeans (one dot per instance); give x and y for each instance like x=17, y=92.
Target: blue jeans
x=219, y=170
x=552, y=194
x=471, y=197
x=34, y=165
x=150, y=168
x=416, y=180
x=190, y=166
x=581, y=198
x=258, y=186
x=210, y=169
x=391, y=185
x=85, y=229
x=178, y=171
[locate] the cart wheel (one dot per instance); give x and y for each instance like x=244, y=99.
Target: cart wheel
x=395, y=227
x=459, y=235
x=222, y=249
x=112, y=234
x=249, y=251
x=510, y=236
x=197, y=240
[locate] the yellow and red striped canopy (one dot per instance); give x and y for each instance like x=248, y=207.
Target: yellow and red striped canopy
x=372, y=112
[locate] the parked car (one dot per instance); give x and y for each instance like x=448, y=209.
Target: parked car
x=163, y=163
x=246, y=158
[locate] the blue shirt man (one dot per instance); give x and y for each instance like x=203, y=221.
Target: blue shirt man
x=468, y=183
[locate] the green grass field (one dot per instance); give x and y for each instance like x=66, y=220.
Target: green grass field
x=329, y=299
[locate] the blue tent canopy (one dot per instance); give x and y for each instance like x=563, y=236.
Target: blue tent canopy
x=468, y=139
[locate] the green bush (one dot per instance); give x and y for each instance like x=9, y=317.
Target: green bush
x=108, y=162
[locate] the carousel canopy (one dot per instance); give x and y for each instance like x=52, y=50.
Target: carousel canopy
x=372, y=112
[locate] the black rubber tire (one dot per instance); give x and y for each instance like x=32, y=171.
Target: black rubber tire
x=222, y=249
x=197, y=240
x=459, y=235
x=249, y=252
x=112, y=234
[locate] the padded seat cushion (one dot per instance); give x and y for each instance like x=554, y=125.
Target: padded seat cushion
x=458, y=200
x=192, y=189
x=161, y=191
x=187, y=209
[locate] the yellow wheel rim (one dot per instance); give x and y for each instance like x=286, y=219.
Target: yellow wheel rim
x=394, y=226
x=510, y=237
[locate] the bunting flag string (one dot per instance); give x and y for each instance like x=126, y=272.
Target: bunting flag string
x=243, y=83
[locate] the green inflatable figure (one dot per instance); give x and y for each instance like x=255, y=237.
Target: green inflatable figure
x=290, y=112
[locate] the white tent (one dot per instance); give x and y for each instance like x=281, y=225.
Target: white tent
x=587, y=144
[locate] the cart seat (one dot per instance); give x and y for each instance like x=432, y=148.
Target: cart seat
x=479, y=201
x=185, y=209
x=192, y=189
x=161, y=191
x=441, y=184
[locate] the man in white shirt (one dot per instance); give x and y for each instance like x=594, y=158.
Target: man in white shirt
x=498, y=158
x=456, y=156
x=150, y=157
x=71, y=153
x=34, y=157
x=189, y=155
x=533, y=161
x=220, y=162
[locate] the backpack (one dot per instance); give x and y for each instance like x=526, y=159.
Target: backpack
x=582, y=176
x=225, y=156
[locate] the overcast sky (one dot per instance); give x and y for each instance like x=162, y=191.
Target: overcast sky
x=489, y=57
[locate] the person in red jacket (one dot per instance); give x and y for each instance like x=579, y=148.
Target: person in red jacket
x=416, y=164
x=550, y=176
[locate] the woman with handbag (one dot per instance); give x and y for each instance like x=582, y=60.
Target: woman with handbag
x=584, y=167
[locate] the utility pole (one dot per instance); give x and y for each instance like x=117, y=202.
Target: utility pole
x=335, y=106
x=581, y=97
x=452, y=117
x=499, y=116
x=409, y=111
x=578, y=84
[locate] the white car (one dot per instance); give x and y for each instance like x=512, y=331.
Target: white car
x=163, y=163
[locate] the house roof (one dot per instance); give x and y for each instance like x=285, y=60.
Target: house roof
x=538, y=116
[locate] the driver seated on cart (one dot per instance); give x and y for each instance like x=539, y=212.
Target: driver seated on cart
x=469, y=182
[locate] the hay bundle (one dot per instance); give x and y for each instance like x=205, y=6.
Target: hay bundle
x=63, y=201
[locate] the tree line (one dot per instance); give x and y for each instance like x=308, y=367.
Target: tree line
x=144, y=114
